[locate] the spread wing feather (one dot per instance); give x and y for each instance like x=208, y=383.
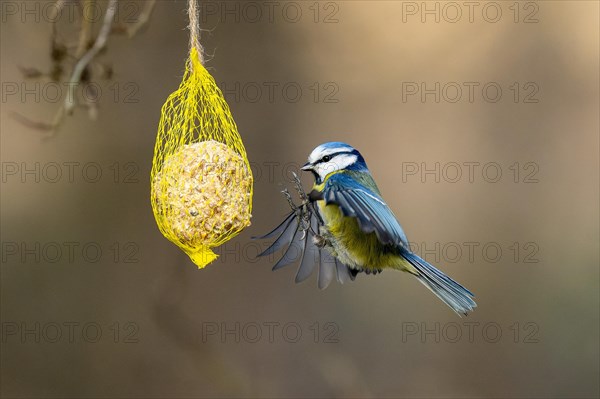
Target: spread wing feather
x=342, y=271
x=297, y=239
x=310, y=254
x=285, y=233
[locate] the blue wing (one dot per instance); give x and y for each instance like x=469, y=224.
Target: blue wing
x=367, y=206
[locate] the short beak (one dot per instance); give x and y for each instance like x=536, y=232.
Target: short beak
x=306, y=166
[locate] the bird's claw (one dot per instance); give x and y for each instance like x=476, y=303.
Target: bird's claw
x=304, y=210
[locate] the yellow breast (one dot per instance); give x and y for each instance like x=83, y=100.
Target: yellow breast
x=352, y=246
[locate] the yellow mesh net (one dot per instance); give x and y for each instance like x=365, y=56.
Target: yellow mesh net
x=201, y=182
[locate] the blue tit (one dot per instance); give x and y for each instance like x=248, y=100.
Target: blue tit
x=346, y=228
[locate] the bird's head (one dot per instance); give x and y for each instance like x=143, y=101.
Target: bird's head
x=332, y=157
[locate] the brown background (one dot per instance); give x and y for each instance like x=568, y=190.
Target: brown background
x=367, y=55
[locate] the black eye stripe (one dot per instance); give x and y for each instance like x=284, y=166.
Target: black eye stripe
x=331, y=156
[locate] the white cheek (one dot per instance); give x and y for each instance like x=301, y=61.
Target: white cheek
x=325, y=168
x=338, y=163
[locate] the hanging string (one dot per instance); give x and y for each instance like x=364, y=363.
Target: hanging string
x=194, y=15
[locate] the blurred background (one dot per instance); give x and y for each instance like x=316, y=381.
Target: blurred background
x=479, y=123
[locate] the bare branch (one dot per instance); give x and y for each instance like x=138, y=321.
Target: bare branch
x=86, y=31
x=49, y=128
x=89, y=56
x=142, y=19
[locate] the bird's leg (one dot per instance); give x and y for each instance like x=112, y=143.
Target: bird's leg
x=288, y=197
x=304, y=219
x=308, y=207
x=320, y=241
x=299, y=187
x=302, y=212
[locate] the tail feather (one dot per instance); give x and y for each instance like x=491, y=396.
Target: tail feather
x=449, y=291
